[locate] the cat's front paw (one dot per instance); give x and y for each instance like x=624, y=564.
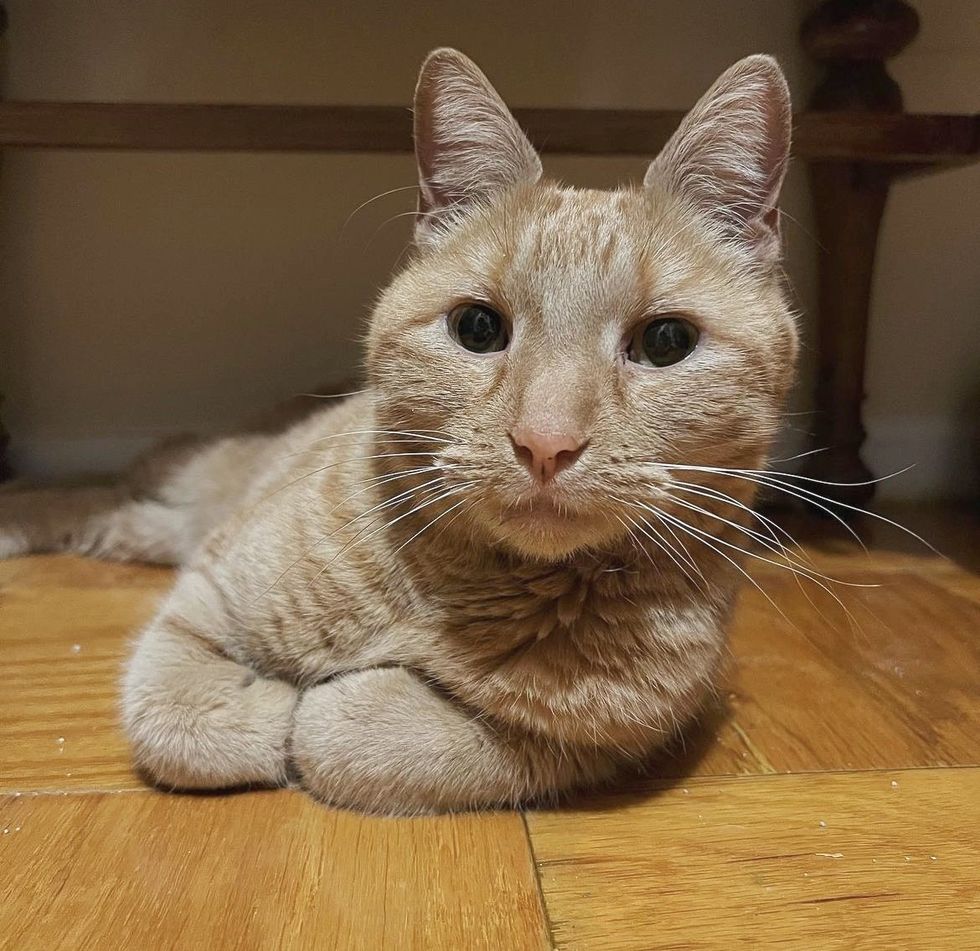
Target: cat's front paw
x=382, y=741
x=208, y=731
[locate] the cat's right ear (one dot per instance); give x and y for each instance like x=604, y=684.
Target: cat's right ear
x=468, y=145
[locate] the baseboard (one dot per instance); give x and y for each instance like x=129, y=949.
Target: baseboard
x=944, y=455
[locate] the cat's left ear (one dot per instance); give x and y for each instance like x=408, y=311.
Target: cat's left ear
x=468, y=145
x=730, y=152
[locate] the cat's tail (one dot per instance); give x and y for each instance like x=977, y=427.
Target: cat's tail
x=100, y=521
x=136, y=518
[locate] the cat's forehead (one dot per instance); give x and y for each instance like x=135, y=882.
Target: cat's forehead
x=567, y=228
x=577, y=248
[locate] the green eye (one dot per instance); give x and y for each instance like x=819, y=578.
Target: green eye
x=663, y=342
x=478, y=328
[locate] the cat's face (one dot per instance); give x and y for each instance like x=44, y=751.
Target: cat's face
x=561, y=347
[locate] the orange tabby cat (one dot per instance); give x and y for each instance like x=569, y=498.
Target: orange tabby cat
x=480, y=581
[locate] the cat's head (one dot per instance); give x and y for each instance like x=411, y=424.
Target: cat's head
x=559, y=347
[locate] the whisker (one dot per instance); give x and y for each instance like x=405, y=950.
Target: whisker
x=737, y=474
x=773, y=528
x=357, y=539
x=715, y=494
x=802, y=455
x=429, y=525
x=328, y=535
x=776, y=564
x=803, y=478
x=684, y=527
x=426, y=435
x=364, y=204
x=332, y=396
x=761, y=539
x=656, y=539
x=776, y=483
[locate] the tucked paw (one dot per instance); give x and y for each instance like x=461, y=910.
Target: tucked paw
x=214, y=735
x=382, y=741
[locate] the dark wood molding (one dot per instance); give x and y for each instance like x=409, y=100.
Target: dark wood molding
x=884, y=137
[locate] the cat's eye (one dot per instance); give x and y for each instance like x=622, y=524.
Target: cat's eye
x=478, y=328
x=663, y=342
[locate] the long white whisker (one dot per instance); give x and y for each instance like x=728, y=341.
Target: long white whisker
x=803, y=478
x=774, y=528
x=401, y=496
x=776, y=564
x=358, y=540
x=792, y=564
x=755, y=480
x=364, y=204
x=429, y=525
x=776, y=483
x=684, y=527
x=646, y=528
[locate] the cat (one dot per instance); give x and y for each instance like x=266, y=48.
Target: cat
x=479, y=582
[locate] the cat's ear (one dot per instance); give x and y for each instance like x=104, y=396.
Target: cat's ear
x=730, y=152
x=467, y=143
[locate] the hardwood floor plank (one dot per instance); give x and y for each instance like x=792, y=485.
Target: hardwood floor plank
x=894, y=686
x=65, y=624
x=858, y=860
x=260, y=870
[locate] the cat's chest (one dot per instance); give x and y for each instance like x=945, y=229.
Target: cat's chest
x=489, y=620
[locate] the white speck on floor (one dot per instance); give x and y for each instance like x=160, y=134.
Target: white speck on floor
x=822, y=824
x=932, y=858
x=76, y=648
x=830, y=855
x=894, y=784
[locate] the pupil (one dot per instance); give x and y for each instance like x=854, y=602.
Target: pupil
x=667, y=341
x=478, y=328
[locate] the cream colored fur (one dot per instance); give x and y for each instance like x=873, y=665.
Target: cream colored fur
x=380, y=603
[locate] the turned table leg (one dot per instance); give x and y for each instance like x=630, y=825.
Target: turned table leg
x=852, y=38
x=4, y=438
x=848, y=203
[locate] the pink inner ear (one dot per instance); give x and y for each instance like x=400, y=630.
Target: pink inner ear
x=467, y=143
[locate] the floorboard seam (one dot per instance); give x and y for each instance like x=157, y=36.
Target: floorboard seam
x=548, y=927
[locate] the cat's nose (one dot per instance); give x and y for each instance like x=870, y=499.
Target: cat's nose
x=546, y=454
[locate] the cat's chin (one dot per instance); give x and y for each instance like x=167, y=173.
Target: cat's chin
x=548, y=535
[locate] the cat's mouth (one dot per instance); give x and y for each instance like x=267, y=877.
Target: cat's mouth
x=542, y=510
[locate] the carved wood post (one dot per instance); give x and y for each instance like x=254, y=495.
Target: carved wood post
x=852, y=38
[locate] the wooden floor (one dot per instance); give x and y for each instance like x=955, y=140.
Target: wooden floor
x=830, y=799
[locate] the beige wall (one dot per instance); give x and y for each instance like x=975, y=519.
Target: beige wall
x=145, y=293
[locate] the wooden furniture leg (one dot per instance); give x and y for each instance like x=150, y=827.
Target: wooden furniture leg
x=4, y=437
x=853, y=38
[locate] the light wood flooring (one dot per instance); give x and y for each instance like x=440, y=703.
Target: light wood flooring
x=830, y=798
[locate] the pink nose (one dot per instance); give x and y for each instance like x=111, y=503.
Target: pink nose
x=546, y=454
